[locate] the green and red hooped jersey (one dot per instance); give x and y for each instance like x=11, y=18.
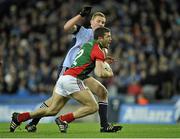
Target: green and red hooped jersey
x=84, y=62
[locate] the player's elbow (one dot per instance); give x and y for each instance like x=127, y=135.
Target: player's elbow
x=66, y=28
x=110, y=74
x=69, y=28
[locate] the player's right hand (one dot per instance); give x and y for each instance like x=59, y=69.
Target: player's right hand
x=85, y=11
x=109, y=59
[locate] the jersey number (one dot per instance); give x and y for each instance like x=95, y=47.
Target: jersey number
x=79, y=54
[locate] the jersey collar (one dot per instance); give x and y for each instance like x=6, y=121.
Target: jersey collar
x=100, y=44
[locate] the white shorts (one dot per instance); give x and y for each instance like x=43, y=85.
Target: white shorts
x=67, y=85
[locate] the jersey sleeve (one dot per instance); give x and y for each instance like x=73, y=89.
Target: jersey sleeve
x=97, y=53
x=77, y=30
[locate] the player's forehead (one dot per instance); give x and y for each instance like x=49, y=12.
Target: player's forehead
x=107, y=34
x=99, y=18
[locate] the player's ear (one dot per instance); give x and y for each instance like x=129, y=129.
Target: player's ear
x=100, y=38
x=91, y=21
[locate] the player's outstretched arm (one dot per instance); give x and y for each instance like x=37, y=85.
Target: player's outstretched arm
x=103, y=69
x=70, y=25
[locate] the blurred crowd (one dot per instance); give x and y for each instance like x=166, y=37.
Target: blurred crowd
x=146, y=45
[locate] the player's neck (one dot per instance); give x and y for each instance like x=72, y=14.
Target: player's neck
x=100, y=43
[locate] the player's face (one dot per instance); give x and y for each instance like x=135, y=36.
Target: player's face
x=97, y=22
x=107, y=39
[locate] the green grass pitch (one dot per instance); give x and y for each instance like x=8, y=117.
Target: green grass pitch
x=91, y=130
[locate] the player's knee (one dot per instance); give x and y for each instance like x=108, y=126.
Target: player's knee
x=93, y=107
x=96, y=108
x=103, y=93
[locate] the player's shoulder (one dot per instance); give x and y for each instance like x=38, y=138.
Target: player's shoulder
x=88, y=45
x=85, y=34
x=82, y=28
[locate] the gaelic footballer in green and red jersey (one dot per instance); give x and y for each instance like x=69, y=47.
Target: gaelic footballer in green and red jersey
x=84, y=61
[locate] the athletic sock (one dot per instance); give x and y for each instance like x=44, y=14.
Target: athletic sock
x=103, y=114
x=35, y=121
x=23, y=117
x=69, y=117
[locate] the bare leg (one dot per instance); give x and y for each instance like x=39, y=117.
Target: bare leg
x=97, y=89
x=31, y=127
x=101, y=92
x=90, y=106
x=57, y=103
x=86, y=98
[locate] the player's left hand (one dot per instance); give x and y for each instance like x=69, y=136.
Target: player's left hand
x=85, y=11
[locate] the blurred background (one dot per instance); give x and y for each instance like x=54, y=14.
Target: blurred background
x=146, y=44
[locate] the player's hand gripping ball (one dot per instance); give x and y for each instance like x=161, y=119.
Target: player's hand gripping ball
x=108, y=59
x=107, y=66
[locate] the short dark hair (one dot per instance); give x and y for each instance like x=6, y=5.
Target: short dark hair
x=99, y=32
